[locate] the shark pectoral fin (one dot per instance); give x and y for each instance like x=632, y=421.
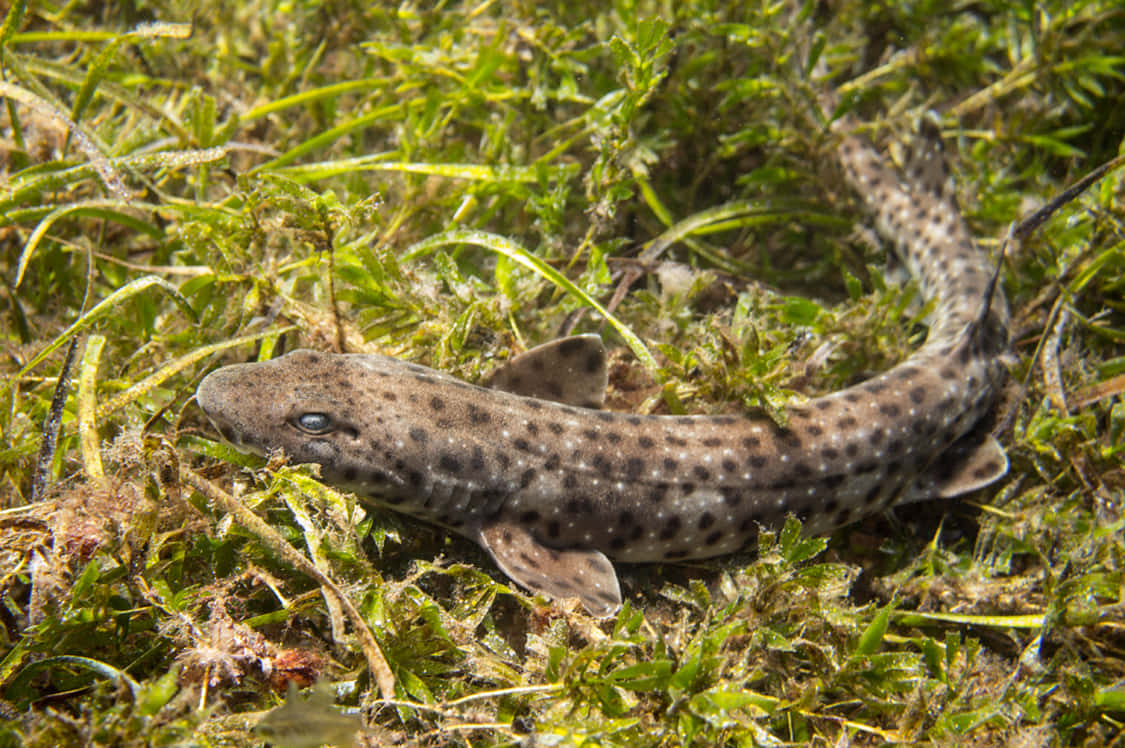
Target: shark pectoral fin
x=970, y=463
x=570, y=370
x=585, y=574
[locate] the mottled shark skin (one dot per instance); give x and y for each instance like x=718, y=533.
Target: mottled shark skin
x=551, y=486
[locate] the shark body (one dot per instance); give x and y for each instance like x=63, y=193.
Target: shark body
x=552, y=487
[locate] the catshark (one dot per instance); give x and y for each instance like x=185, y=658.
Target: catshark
x=552, y=486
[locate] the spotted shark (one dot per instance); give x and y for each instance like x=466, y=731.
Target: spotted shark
x=552, y=486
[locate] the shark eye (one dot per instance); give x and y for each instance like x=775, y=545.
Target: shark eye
x=313, y=423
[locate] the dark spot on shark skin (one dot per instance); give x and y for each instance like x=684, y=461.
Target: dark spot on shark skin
x=476, y=462
x=890, y=410
x=555, y=428
x=918, y=395
x=687, y=488
x=852, y=449
x=450, y=463
x=437, y=403
x=852, y=397
x=989, y=468
x=602, y=465
x=706, y=520
x=529, y=518
x=604, y=417
x=522, y=444
x=634, y=420
x=789, y=437
x=872, y=495
x=532, y=428
x=731, y=495
x=593, y=363
x=829, y=453
x=814, y=430
x=729, y=466
x=712, y=442
x=947, y=373
x=555, y=390
x=637, y=532
x=822, y=404
x=529, y=560
x=905, y=372
x=591, y=434
x=701, y=473
x=613, y=437
x=478, y=415
x=350, y=474
x=676, y=555
x=634, y=466
x=553, y=462
x=877, y=436
x=570, y=346
x=757, y=461
x=419, y=435
x=713, y=537
x=527, y=477
x=625, y=518
x=784, y=484
x=616, y=543
x=833, y=482
x=580, y=506
x=658, y=492
x=671, y=528
x=646, y=442
x=751, y=442
x=675, y=441
x=606, y=597
x=389, y=396
x=553, y=529
x=670, y=464
x=503, y=459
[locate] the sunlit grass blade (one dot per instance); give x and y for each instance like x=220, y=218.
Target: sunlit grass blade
x=106, y=306
x=513, y=251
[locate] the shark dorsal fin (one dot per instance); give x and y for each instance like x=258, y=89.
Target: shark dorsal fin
x=570, y=370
